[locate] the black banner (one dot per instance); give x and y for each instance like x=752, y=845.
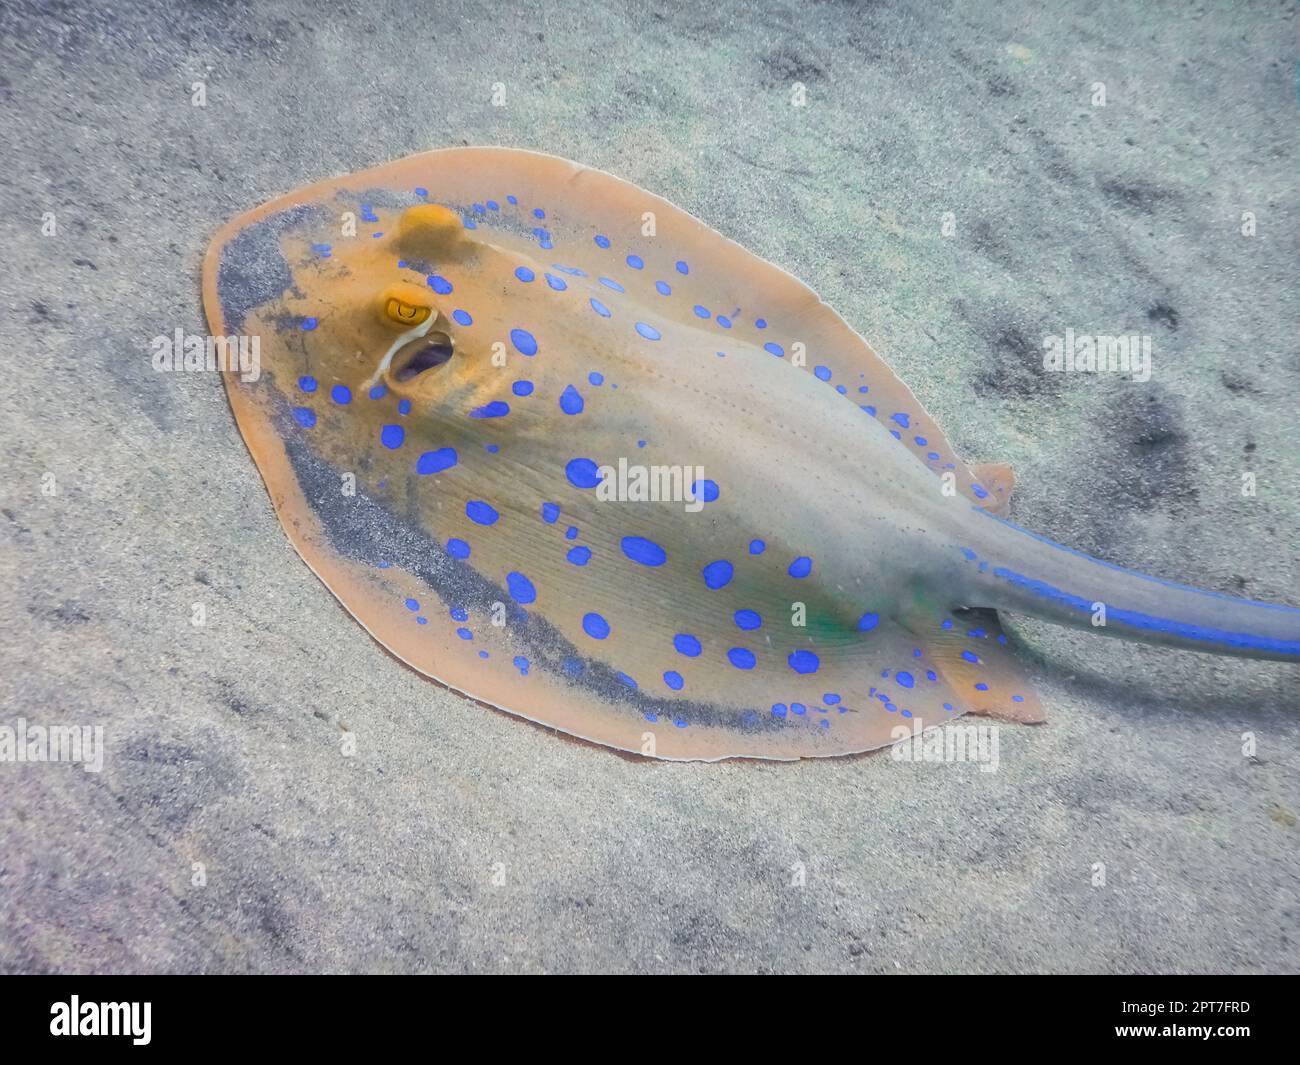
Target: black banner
x=338, y=1013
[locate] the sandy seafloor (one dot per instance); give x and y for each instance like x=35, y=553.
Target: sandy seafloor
x=224, y=741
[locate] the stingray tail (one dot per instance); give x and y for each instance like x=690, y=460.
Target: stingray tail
x=1013, y=569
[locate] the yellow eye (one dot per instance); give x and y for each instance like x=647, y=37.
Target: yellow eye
x=404, y=306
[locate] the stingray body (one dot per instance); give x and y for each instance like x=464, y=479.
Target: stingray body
x=475, y=366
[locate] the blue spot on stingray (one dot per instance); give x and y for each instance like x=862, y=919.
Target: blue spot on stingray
x=391, y=436
x=496, y=409
x=556, y=283
x=804, y=662
x=412, y=604
x=706, y=490
x=748, y=619
x=307, y=383
x=610, y=283
x=741, y=657
x=521, y=664
x=686, y=644
x=644, y=551
x=700, y=311
x=403, y=406
x=830, y=699
x=524, y=274
x=635, y=261
x=663, y=288
x=868, y=622
x=437, y=461
x=921, y=441
x=626, y=679
x=905, y=678
x=801, y=566
x=779, y=710
x=724, y=321
x=341, y=394
x=674, y=680
x=682, y=268
x=462, y=317
x=308, y=324
x=822, y=373
x=538, y=213
x=523, y=341
x=602, y=240
x=457, y=548
x=648, y=331
x=971, y=657
x=439, y=284
x=798, y=708
x=760, y=323
x=481, y=513
x=550, y=513
x=582, y=473
x=901, y=419
x=980, y=493
x=464, y=634
x=459, y=613
x=378, y=392
x=775, y=349
x=571, y=533
x=718, y=574
x=981, y=687
x=596, y=378
x=600, y=308
x=579, y=556
x=757, y=547
x=595, y=626
x=522, y=388
x=571, y=401
x=572, y=666
x=520, y=588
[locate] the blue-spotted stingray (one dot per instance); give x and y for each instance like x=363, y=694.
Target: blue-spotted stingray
x=477, y=362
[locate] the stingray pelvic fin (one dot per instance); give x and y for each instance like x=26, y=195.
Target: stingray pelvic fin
x=972, y=654
x=1000, y=479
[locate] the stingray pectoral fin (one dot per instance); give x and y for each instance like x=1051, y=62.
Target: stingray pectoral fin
x=999, y=479
x=971, y=654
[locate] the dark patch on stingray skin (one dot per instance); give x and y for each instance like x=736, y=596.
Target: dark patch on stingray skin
x=364, y=530
x=252, y=271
